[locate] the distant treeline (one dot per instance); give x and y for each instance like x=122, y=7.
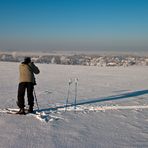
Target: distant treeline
x=81, y=59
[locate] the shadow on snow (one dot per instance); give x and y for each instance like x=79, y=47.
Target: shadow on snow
x=96, y=100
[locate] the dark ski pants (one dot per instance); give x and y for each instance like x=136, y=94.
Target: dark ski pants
x=21, y=94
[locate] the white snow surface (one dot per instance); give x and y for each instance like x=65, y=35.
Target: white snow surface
x=111, y=111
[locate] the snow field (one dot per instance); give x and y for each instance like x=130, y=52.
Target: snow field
x=111, y=112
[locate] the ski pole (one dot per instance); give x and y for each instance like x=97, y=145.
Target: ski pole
x=76, y=87
x=36, y=99
x=68, y=92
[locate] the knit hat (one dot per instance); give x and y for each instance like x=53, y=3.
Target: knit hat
x=27, y=60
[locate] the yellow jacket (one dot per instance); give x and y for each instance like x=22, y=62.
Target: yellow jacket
x=27, y=72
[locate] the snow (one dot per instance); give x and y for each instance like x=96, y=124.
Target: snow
x=112, y=108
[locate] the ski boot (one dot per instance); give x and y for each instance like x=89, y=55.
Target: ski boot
x=21, y=111
x=30, y=110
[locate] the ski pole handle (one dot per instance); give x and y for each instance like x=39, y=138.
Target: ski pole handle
x=70, y=81
x=76, y=80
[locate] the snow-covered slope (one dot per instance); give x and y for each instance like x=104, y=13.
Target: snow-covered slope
x=111, y=111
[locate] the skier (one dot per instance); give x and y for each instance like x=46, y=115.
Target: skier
x=27, y=69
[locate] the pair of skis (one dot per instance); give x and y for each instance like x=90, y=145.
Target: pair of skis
x=75, y=94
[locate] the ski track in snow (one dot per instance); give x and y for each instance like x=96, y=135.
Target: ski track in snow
x=46, y=116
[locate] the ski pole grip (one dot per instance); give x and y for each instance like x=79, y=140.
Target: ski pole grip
x=76, y=80
x=70, y=81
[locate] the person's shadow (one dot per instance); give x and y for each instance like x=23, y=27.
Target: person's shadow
x=96, y=100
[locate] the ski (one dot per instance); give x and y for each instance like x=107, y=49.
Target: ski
x=9, y=111
x=14, y=111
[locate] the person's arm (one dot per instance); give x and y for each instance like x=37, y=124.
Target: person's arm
x=34, y=68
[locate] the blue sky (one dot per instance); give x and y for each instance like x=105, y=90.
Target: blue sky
x=109, y=25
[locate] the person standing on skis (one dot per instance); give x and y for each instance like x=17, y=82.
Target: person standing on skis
x=27, y=69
